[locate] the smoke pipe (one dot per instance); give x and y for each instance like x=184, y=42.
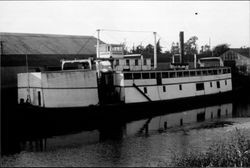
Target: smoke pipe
x=181, y=46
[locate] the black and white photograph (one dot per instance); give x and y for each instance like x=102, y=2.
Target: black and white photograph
x=125, y=83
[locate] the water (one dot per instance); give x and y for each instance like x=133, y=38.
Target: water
x=143, y=142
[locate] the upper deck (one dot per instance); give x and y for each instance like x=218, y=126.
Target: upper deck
x=151, y=74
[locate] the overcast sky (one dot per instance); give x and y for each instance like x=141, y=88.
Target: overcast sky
x=222, y=22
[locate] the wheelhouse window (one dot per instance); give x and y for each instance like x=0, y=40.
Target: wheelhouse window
x=199, y=86
x=137, y=75
x=211, y=84
x=136, y=62
x=127, y=62
x=225, y=82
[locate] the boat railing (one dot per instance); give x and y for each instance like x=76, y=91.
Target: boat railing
x=176, y=73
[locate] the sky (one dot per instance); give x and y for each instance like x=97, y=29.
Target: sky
x=220, y=21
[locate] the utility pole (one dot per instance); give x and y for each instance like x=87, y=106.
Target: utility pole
x=155, y=51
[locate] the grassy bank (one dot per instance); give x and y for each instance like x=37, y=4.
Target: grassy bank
x=233, y=151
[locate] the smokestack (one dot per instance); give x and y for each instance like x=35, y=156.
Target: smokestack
x=181, y=46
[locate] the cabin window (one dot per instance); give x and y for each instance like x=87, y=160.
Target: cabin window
x=145, y=75
x=210, y=72
x=137, y=75
x=145, y=62
x=219, y=113
x=179, y=74
x=164, y=75
x=224, y=71
x=215, y=72
x=180, y=87
x=145, y=90
x=164, y=88
x=225, y=82
x=204, y=72
x=181, y=122
x=128, y=76
x=218, y=84
x=192, y=73
x=136, y=62
x=39, y=98
x=198, y=73
x=211, y=84
x=186, y=73
x=158, y=78
x=152, y=75
x=127, y=62
x=108, y=48
x=199, y=86
x=117, y=62
x=172, y=74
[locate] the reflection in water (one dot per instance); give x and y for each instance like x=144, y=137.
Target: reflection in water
x=164, y=122
x=116, y=131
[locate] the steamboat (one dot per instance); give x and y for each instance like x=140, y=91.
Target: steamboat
x=114, y=79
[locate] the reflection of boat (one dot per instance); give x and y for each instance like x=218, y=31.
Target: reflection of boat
x=165, y=122
x=119, y=79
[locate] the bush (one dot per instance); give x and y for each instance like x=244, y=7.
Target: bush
x=231, y=152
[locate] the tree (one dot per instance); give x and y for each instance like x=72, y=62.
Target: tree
x=149, y=49
x=158, y=47
x=220, y=49
x=190, y=47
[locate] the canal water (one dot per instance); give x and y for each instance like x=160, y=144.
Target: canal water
x=142, y=142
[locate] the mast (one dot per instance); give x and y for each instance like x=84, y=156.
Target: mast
x=155, y=52
x=98, y=44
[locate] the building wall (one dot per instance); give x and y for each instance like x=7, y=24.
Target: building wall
x=241, y=62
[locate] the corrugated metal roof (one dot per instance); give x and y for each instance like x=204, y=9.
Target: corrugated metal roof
x=24, y=43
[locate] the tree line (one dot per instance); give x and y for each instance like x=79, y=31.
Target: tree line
x=190, y=48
